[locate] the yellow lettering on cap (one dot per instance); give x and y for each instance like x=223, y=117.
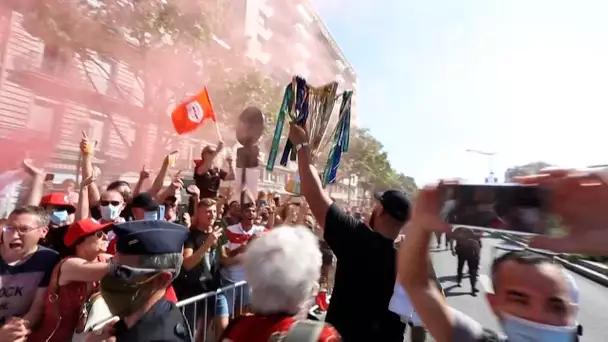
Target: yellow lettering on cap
x=132, y=242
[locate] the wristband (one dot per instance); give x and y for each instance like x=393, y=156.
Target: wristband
x=300, y=146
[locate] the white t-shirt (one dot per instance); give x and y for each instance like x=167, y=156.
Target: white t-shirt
x=401, y=305
x=236, y=273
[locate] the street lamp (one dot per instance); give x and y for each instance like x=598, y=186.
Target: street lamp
x=491, y=179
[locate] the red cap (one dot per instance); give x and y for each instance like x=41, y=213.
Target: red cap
x=82, y=228
x=59, y=199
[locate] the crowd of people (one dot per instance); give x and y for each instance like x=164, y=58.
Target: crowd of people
x=58, y=249
x=134, y=250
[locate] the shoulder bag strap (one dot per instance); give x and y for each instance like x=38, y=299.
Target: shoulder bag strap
x=53, y=295
x=304, y=331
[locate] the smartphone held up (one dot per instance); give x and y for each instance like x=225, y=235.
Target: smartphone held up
x=508, y=208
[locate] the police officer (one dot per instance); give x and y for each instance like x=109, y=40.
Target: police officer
x=468, y=249
x=148, y=257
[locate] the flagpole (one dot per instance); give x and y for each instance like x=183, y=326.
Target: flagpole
x=217, y=130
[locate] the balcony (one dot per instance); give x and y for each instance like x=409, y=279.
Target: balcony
x=57, y=78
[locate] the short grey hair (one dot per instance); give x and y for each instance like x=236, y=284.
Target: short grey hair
x=282, y=268
x=162, y=262
x=43, y=217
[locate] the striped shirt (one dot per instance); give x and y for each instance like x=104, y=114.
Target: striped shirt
x=237, y=237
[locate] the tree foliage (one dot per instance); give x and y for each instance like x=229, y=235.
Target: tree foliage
x=248, y=87
x=367, y=159
x=162, y=43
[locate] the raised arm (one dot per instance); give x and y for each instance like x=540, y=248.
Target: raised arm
x=157, y=185
x=416, y=277
x=310, y=183
x=37, y=186
x=230, y=174
x=87, y=150
x=144, y=174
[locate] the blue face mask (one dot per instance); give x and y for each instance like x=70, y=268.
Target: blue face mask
x=521, y=330
x=59, y=216
x=151, y=215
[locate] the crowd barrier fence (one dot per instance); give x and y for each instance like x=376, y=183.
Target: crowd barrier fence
x=196, y=310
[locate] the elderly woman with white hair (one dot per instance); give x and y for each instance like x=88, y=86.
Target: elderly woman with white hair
x=282, y=268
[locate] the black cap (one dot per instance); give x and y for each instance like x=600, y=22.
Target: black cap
x=149, y=237
x=395, y=203
x=144, y=201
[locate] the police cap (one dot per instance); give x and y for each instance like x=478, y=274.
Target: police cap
x=149, y=237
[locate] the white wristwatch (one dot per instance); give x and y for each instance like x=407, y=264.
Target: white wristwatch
x=299, y=146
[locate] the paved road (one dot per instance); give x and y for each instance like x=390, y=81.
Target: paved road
x=593, y=301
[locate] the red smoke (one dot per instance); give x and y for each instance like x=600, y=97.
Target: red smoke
x=130, y=121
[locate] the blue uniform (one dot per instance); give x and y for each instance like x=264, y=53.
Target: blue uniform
x=164, y=321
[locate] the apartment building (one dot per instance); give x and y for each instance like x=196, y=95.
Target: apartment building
x=289, y=38
x=47, y=97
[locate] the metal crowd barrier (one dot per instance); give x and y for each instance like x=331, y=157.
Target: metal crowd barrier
x=190, y=310
x=197, y=309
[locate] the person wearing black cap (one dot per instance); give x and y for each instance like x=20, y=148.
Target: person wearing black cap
x=148, y=258
x=145, y=207
x=366, y=254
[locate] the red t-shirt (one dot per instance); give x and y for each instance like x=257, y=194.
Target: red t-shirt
x=256, y=328
x=169, y=294
x=111, y=247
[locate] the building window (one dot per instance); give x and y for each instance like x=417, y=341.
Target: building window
x=55, y=61
x=103, y=73
x=40, y=118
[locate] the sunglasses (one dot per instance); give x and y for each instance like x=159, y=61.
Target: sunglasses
x=106, y=203
x=100, y=234
x=130, y=274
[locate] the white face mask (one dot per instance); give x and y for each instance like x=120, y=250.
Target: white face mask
x=110, y=212
x=522, y=330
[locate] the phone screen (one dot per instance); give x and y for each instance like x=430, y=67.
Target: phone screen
x=512, y=208
x=161, y=212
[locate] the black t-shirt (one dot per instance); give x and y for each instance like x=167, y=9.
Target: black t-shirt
x=364, y=281
x=328, y=255
x=205, y=276
x=209, y=182
x=54, y=240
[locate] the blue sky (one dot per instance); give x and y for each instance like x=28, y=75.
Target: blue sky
x=527, y=79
